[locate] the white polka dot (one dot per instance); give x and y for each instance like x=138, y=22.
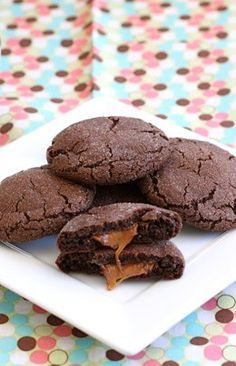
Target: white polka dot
x=161, y=342
x=205, y=316
x=177, y=330
x=194, y=353
x=65, y=343
x=23, y=307
x=96, y=354
x=6, y=330
x=38, y=319
x=179, y=47
x=19, y=357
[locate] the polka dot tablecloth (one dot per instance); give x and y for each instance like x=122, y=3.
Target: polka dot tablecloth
x=173, y=58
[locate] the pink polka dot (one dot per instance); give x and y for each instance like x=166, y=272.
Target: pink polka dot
x=3, y=139
x=202, y=131
x=70, y=80
x=137, y=47
x=13, y=81
x=33, y=66
x=148, y=55
x=126, y=72
x=151, y=94
x=198, y=101
x=221, y=115
x=134, y=79
x=153, y=63
x=210, y=304
x=137, y=356
x=209, y=93
x=230, y=328
x=38, y=309
x=20, y=115
x=197, y=69
x=213, y=353
x=217, y=52
x=218, y=83
x=5, y=102
x=15, y=108
x=64, y=108
x=209, y=61
x=151, y=363
x=12, y=42
x=212, y=123
x=36, y=33
x=76, y=73
x=193, y=109
x=85, y=93
x=219, y=339
x=62, y=331
x=39, y=357
x=46, y=342
x=146, y=86
x=192, y=77
x=18, y=51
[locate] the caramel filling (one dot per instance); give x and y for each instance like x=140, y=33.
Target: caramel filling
x=115, y=275
x=117, y=240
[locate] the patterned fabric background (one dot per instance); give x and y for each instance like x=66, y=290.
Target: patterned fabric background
x=175, y=59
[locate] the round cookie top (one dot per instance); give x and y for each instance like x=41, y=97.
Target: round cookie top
x=198, y=182
x=108, y=150
x=35, y=203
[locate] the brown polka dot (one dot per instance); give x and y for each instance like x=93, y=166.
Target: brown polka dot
x=165, y=5
x=163, y=29
x=222, y=59
x=126, y=24
x=67, y=42
x=185, y=17
x=87, y=25
x=31, y=19
x=57, y=100
x=95, y=87
x=159, y=86
x=83, y=55
x=18, y=74
x=205, y=3
x=170, y=363
x=2, y=81
x=5, y=52
x=25, y=42
x=42, y=59
x=48, y=32
x=205, y=117
x=71, y=18
x=61, y=73
x=203, y=53
x=223, y=91
x=18, y=1
x=30, y=110
x=26, y=343
x=97, y=57
x=229, y=363
x=204, y=29
x=199, y=341
x=221, y=35
x=182, y=71
x=3, y=318
x=12, y=26
x=101, y=32
x=139, y=72
x=224, y=316
x=105, y=10
x=161, y=55
x=53, y=6
x=36, y=88
x=54, y=320
x=123, y=48
x=227, y=123
x=120, y=79
x=78, y=333
x=204, y=86
x=145, y=17
x=113, y=355
x=138, y=102
x=12, y=98
x=81, y=87
x=222, y=8
x=6, y=127
x=162, y=116
x=182, y=102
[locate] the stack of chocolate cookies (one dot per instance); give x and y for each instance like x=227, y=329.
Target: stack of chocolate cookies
x=96, y=190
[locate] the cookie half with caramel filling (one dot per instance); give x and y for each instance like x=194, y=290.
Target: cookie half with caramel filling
x=163, y=261
x=118, y=225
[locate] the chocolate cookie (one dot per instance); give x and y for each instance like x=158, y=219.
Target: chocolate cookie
x=199, y=182
x=163, y=261
x=129, y=192
x=108, y=150
x=35, y=203
x=118, y=225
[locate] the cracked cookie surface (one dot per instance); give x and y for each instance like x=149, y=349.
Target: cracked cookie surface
x=35, y=203
x=198, y=182
x=108, y=150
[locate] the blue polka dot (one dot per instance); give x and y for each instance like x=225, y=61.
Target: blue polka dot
x=11, y=296
x=19, y=319
x=195, y=329
x=190, y=363
x=3, y=358
x=24, y=330
x=84, y=342
x=175, y=353
x=6, y=307
x=179, y=341
x=191, y=318
x=7, y=344
x=78, y=356
x=111, y=363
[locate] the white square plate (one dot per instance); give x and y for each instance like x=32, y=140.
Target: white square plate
x=133, y=315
